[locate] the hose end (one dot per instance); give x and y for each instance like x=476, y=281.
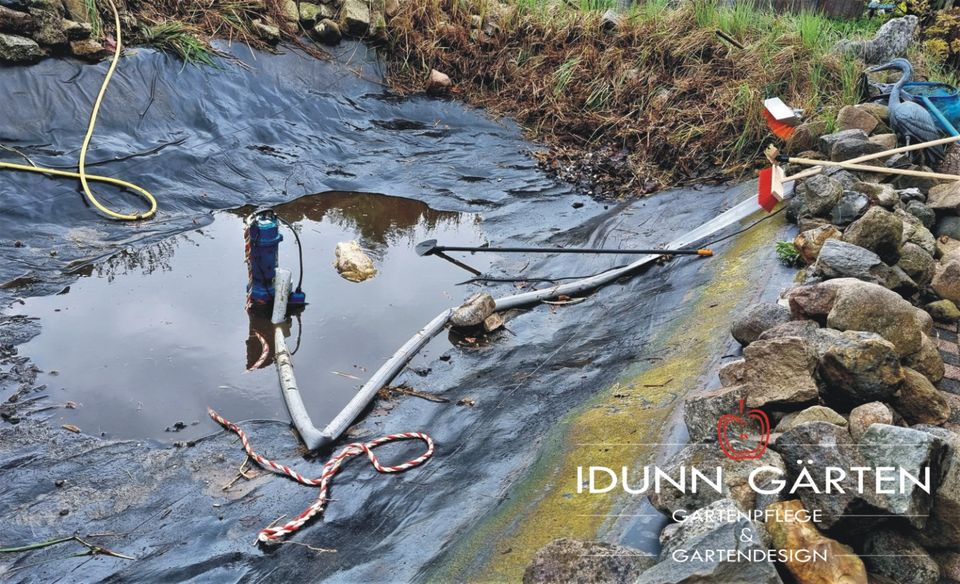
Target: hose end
x=705, y=253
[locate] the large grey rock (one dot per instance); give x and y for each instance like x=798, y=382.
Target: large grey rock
x=815, y=446
x=925, y=214
x=943, y=311
x=474, y=311
x=916, y=263
x=914, y=232
x=850, y=304
x=903, y=450
x=864, y=416
x=945, y=198
x=18, y=49
x=948, y=226
x=912, y=194
x=355, y=17
x=811, y=414
x=852, y=206
x=946, y=280
x=819, y=194
x=716, y=527
x=828, y=141
x=750, y=323
x=878, y=230
x=943, y=527
x=882, y=194
x=571, y=561
x=890, y=42
x=853, y=118
x=805, y=329
x=48, y=24
x=918, y=401
x=707, y=457
x=919, y=182
x=839, y=259
x=849, y=148
x=701, y=411
x=15, y=21
x=860, y=367
x=896, y=556
x=927, y=360
x=775, y=372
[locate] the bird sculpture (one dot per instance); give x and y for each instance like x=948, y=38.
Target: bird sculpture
x=912, y=123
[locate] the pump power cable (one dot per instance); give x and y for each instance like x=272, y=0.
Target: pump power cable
x=81, y=166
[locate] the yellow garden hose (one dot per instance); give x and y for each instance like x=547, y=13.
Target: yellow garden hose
x=82, y=175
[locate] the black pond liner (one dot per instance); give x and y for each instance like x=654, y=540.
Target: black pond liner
x=287, y=127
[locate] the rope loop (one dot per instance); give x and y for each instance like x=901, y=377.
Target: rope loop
x=275, y=535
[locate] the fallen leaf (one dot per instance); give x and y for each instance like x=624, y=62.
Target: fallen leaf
x=71, y=428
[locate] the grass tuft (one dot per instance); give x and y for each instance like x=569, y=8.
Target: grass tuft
x=788, y=255
x=179, y=39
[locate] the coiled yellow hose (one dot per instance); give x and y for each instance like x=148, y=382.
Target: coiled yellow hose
x=82, y=175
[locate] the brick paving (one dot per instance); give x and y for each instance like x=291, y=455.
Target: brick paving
x=945, y=335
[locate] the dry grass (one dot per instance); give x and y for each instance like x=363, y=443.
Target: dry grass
x=660, y=101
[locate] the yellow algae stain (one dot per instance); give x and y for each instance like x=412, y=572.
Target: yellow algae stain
x=619, y=427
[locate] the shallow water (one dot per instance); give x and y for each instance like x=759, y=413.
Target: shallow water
x=152, y=337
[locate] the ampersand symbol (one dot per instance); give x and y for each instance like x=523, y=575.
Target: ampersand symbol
x=746, y=535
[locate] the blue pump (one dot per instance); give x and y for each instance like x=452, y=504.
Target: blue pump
x=262, y=247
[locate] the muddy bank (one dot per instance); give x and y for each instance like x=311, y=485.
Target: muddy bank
x=315, y=127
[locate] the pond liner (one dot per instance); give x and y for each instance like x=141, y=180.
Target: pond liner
x=315, y=439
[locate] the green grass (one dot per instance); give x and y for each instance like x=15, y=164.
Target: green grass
x=177, y=38
x=563, y=75
x=96, y=25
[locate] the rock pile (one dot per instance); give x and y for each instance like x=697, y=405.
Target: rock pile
x=845, y=366
x=33, y=29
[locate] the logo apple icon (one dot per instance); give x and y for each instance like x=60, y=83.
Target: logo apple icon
x=737, y=425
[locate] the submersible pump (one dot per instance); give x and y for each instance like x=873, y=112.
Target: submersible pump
x=262, y=239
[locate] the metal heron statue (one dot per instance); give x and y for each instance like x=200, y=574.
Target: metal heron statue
x=909, y=120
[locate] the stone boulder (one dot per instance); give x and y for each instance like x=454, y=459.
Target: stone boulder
x=850, y=304
x=791, y=535
x=945, y=198
x=15, y=21
x=946, y=280
x=853, y=118
x=916, y=263
x=878, y=230
x=18, y=49
x=943, y=311
x=927, y=360
x=756, y=319
x=715, y=527
x=810, y=242
x=805, y=137
x=891, y=41
x=925, y=214
x=811, y=414
x=896, y=556
x=828, y=141
x=907, y=450
x=948, y=226
x=438, y=83
x=353, y=263
x=819, y=194
x=828, y=445
x=918, y=401
x=943, y=527
x=701, y=411
x=864, y=416
x=805, y=329
x=882, y=194
x=839, y=259
x=860, y=367
x=913, y=194
x=849, y=148
x=707, y=457
x=474, y=311
x=914, y=232
x=355, y=17
x=571, y=561
x=775, y=373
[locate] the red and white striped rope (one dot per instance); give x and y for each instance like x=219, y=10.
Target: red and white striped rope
x=264, y=352
x=273, y=535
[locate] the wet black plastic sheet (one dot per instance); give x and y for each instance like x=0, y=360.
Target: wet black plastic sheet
x=286, y=127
